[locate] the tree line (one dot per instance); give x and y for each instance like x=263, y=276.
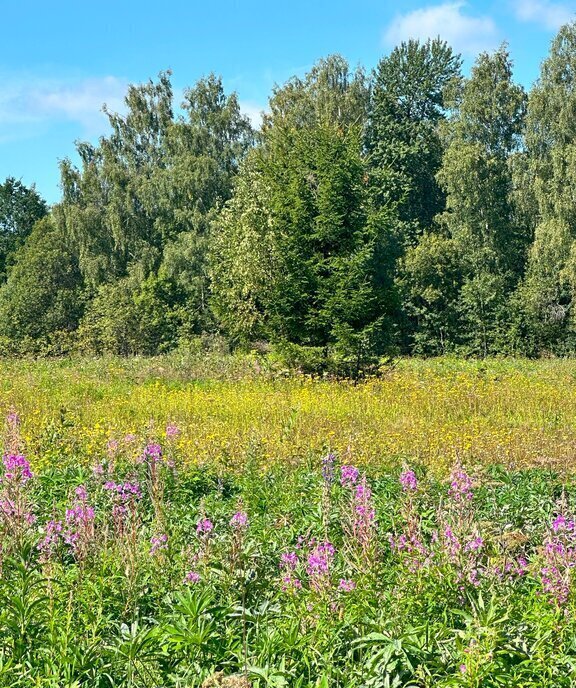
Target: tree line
x=406, y=210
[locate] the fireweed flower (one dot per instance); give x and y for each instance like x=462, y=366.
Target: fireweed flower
x=460, y=486
x=172, y=430
x=348, y=476
x=239, y=520
x=346, y=585
x=364, y=517
x=192, y=577
x=16, y=468
x=558, y=558
x=152, y=454
x=289, y=561
x=474, y=545
x=81, y=493
x=204, y=526
x=124, y=491
x=158, y=543
x=291, y=584
x=318, y=565
x=49, y=542
x=408, y=480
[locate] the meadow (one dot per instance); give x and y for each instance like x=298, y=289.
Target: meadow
x=205, y=520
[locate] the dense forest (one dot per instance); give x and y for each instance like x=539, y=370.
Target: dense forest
x=405, y=210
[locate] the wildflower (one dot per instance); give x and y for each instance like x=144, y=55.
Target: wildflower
x=348, y=476
x=48, y=544
x=204, y=526
x=408, y=480
x=239, y=520
x=346, y=585
x=172, y=430
x=192, y=577
x=290, y=584
x=124, y=491
x=98, y=469
x=561, y=523
x=158, y=542
x=558, y=560
x=16, y=468
x=289, y=560
x=13, y=419
x=81, y=493
x=474, y=545
x=460, y=486
x=152, y=454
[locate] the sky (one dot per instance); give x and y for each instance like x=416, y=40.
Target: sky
x=60, y=61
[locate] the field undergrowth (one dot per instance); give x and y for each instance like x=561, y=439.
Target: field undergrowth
x=206, y=522
x=514, y=413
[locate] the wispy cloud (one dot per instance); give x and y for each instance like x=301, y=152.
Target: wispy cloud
x=467, y=34
x=28, y=102
x=550, y=14
x=253, y=111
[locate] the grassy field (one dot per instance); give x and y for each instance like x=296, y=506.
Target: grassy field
x=201, y=522
x=515, y=413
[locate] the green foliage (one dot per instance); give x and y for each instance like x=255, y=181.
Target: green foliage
x=44, y=291
x=294, y=258
x=20, y=209
x=412, y=210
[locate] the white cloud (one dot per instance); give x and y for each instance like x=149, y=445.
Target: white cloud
x=467, y=34
x=551, y=14
x=27, y=102
x=253, y=112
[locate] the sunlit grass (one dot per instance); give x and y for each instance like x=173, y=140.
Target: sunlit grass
x=517, y=413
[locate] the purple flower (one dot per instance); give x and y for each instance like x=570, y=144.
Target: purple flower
x=408, y=480
x=460, y=486
x=48, y=544
x=152, y=453
x=158, y=542
x=192, y=577
x=124, y=491
x=81, y=493
x=346, y=585
x=290, y=584
x=289, y=561
x=348, y=476
x=561, y=523
x=16, y=468
x=172, y=430
x=98, y=469
x=239, y=520
x=204, y=526
x=474, y=545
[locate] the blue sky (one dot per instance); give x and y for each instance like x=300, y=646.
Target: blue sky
x=61, y=60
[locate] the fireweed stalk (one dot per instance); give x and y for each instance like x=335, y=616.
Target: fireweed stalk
x=16, y=509
x=558, y=559
x=126, y=521
x=328, y=471
x=409, y=544
x=154, y=463
x=359, y=519
x=239, y=524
